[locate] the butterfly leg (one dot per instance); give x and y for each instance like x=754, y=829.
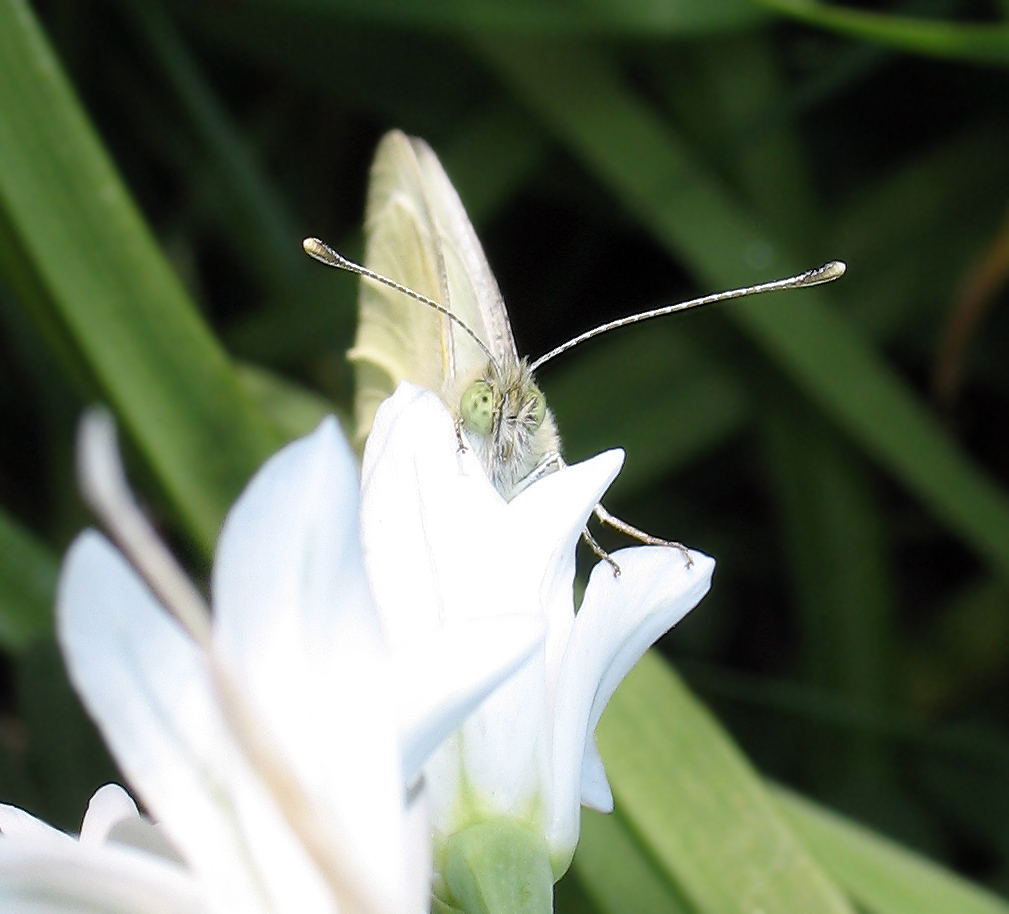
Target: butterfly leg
x=600, y=552
x=551, y=463
x=458, y=434
x=634, y=533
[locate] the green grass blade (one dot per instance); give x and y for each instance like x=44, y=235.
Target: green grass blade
x=152, y=355
x=27, y=306
x=643, y=163
x=881, y=876
x=981, y=43
x=27, y=586
x=700, y=809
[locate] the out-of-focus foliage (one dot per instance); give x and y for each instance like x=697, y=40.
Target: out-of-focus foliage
x=842, y=451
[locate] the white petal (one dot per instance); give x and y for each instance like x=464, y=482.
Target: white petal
x=551, y=516
x=426, y=511
x=81, y=879
x=288, y=578
x=618, y=620
x=441, y=545
x=503, y=749
x=109, y=806
x=438, y=537
x=145, y=835
x=17, y=824
x=441, y=678
x=595, y=787
x=295, y=625
x=289, y=588
x=506, y=744
x=148, y=688
x=431, y=525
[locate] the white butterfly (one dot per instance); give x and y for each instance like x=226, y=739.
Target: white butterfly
x=421, y=247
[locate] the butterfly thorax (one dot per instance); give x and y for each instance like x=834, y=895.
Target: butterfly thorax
x=509, y=426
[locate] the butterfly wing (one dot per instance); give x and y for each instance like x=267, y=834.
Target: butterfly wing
x=472, y=287
x=418, y=234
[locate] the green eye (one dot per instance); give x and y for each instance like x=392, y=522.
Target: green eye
x=539, y=410
x=477, y=408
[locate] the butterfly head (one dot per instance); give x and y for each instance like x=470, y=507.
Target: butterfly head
x=506, y=419
x=503, y=404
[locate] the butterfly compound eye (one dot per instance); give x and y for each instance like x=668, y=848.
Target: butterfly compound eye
x=477, y=408
x=538, y=411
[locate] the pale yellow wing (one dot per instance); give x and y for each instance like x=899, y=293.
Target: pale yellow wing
x=472, y=286
x=418, y=235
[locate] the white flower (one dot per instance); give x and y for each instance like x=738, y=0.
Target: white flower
x=275, y=746
x=442, y=546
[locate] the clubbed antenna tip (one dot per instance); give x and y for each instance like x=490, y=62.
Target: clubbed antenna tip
x=322, y=252
x=830, y=271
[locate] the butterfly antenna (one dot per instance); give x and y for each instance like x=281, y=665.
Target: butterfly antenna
x=827, y=273
x=325, y=254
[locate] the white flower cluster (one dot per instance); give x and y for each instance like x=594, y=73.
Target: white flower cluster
x=315, y=747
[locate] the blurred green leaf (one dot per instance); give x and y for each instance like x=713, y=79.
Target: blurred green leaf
x=694, y=403
x=112, y=289
x=971, y=793
x=699, y=808
x=910, y=234
x=65, y=760
x=583, y=100
x=493, y=157
x=27, y=586
x=880, y=875
x=981, y=43
x=963, y=649
x=569, y=896
x=615, y=871
x=27, y=306
x=735, y=101
x=292, y=408
x=839, y=568
x=263, y=229
x=646, y=17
